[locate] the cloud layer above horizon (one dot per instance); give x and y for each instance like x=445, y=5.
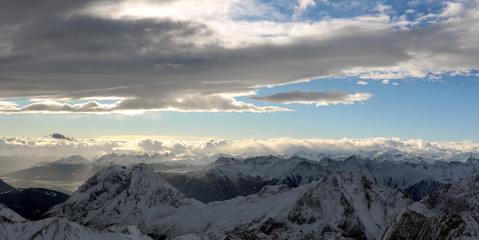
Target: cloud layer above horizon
x=209, y=150
x=188, y=55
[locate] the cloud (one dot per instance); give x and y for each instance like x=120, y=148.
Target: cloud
x=208, y=149
x=149, y=56
x=48, y=148
x=317, y=98
x=362, y=83
x=7, y=104
x=60, y=136
x=302, y=6
x=192, y=103
x=54, y=106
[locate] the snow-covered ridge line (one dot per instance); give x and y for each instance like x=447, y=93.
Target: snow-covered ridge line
x=390, y=155
x=229, y=177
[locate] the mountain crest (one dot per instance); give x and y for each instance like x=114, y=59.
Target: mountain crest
x=131, y=195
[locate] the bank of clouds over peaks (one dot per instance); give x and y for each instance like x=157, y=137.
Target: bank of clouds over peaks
x=201, y=149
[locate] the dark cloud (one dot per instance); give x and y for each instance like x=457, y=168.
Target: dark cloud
x=48, y=51
x=207, y=70
x=60, y=136
x=20, y=12
x=95, y=37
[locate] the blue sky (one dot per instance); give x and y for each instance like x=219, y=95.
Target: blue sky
x=242, y=70
x=416, y=109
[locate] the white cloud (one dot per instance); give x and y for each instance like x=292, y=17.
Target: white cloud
x=383, y=8
x=302, y=6
x=362, y=83
x=317, y=98
x=385, y=81
x=196, y=149
x=7, y=104
x=192, y=103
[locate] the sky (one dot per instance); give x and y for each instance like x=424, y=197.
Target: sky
x=240, y=69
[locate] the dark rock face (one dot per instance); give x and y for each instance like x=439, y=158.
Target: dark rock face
x=450, y=212
x=213, y=187
x=32, y=203
x=422, y=189
x=228, y=178
x=413, y=225
x=271, y=225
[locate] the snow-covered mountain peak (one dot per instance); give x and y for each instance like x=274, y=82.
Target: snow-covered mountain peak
x=73, y=160
x=129, y=195
x=116, y=179
x=347, y=203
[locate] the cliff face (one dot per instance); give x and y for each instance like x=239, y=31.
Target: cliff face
x=451, y=212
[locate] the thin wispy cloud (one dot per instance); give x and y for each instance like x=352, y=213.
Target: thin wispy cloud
x=193, y=103
x=317, y=98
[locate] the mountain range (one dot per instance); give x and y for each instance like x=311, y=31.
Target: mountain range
x=67, y=174
x=227, y=178
x=264, y=197
x=341, y=205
